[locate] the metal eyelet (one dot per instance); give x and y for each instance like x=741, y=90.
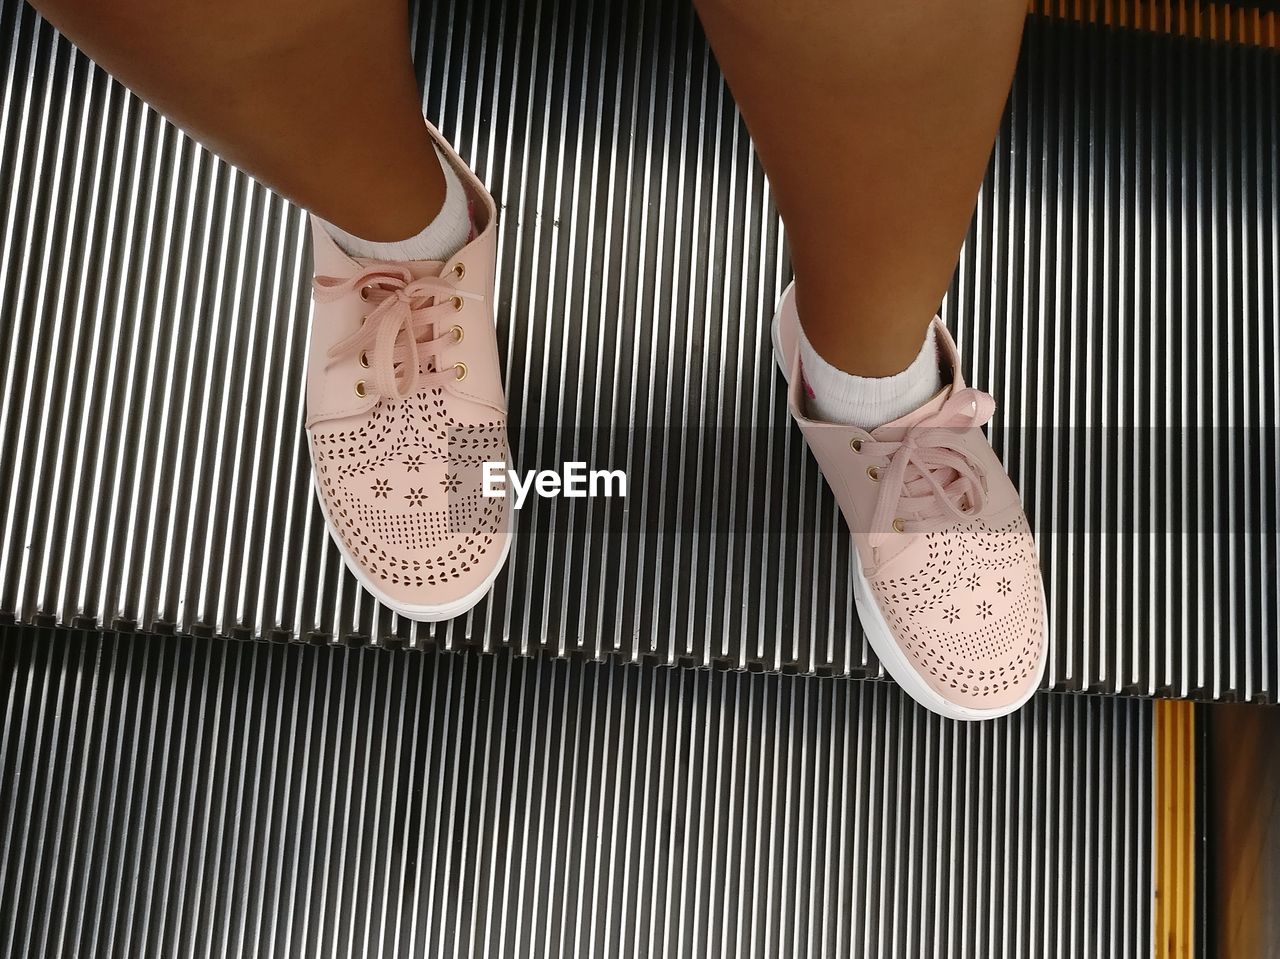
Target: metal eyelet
x=360, y=391
x=459, y=270
x=457, y=304
x=462, y=370
x=855, y=444
x=364, y=359
x=874, y=474
x=899, y=526
x=457, y=332
x=364, y=292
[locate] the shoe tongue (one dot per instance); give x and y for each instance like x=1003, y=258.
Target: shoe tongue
x=903, y=423
x=896, y=430
x=419, y=268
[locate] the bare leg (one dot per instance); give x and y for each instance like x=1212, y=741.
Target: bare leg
x=317, y=98
x=874, y=122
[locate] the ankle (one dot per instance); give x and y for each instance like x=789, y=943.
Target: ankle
x=446, y=232
x=411, y=196
x=834, y=396
x=861, y=332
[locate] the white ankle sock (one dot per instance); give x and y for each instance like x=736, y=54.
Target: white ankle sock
x=868, y=401
x=440, y=239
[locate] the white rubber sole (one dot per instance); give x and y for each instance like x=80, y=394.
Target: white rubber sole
x=422, y=614
x=891, y=655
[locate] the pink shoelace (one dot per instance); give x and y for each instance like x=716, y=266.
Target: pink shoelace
x=404, y=309
x=930, y=478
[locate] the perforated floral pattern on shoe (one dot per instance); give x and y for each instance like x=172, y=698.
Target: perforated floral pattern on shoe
x=403, y=490
x=970, y=616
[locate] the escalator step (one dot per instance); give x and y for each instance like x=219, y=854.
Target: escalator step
x=1118, y=293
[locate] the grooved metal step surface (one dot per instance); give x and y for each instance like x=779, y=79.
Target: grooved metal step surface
x=1117, y=294
x=163, y=797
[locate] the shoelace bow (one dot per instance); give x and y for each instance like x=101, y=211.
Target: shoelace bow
x=403, y=308
x=930, y=476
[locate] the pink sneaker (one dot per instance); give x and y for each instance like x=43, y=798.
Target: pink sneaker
x=948, y=583
x=404, y=406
